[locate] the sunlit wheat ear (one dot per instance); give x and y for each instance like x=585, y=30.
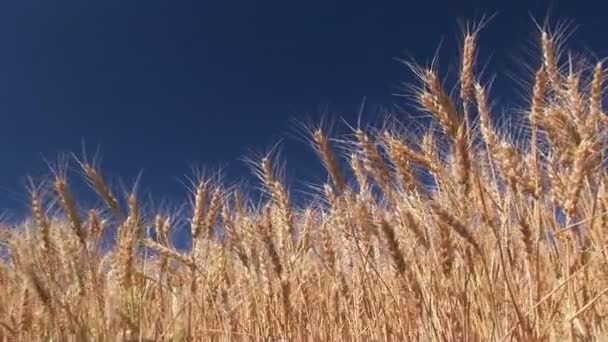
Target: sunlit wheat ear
x=409, y=222
x=95, y=227
x=331, y=198
x=373, y=162
x=446, y=248
x=328, y=249
x=95, y=180
x=581, y=167
x=278, y=193
x=504, y=154
x=162, y=226
x=526, y=237
x=234, y=238
x=550, y=60
x=133, y=206
x=446, y=218
x=401, y=163
x=575, y=103
x=462, y=159
x=124, y=256
x=198, y=210
x=561, y=134
x=40, y=216
x=304, y=241
x=401, y=150
x=490, y=137
x=128, y=234
x=25, y=316
x=40, y=288
x=393, y=246
x=266, y=229
x=328, y=158
x=170, y=253
x=215, y=206
x=68, y=204
x=535, y=117
x=538, y=98
x=595, y=93
x=467, y=65
x=436, y=101
x=357, y=166
x=363, y=217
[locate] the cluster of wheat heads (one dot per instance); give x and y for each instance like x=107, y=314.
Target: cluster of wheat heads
x=459, y=234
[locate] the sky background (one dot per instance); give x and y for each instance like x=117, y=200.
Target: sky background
x=162, y=86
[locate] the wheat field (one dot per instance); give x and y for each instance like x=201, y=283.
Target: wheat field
x=457, y=232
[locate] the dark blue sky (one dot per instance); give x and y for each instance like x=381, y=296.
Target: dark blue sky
x=161, y=86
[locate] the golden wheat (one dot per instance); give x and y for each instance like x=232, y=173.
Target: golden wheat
x=460, y=235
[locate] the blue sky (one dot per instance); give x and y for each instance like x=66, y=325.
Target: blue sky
x=161, y=86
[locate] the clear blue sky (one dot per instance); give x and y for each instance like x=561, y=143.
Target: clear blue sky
x=160, y=86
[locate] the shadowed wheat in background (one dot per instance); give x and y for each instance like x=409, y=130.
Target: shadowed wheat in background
x=457, y=233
